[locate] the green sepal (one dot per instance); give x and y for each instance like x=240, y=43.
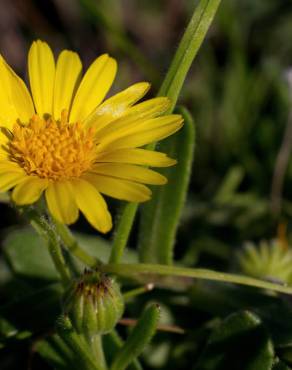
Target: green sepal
x=76, y=343
x=160, y=216
x=94, y=304
x=76, y=313
x=138, y=338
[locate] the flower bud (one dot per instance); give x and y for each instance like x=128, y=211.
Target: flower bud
x=94, y=303
x=269, y=261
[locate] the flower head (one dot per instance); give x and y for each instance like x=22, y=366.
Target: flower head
x=65, y=141
x=268, y=260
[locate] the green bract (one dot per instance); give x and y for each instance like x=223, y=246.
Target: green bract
x=94, y=303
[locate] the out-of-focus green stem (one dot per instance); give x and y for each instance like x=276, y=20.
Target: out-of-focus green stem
x=129, y=269
x=171, y=87
x=141, y=290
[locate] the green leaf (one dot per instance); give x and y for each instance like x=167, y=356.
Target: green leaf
x=171, y=87
x=188, y=49
x=56, y=353
x=229, y=184
x=240, y=342
x=138, y=338
x=112, y=343
x=160, y=216
x=101, y=248
x=148, y=271
x=279, y=365
x=222, y=300
x=28, y=255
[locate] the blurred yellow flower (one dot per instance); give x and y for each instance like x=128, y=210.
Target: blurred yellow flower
x=65, y=141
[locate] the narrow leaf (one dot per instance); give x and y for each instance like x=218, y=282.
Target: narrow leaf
x=160, y=216
x=171, y=87
x=279, y=365
x=139, y=337
x=240, y=342
x=188, y=49
x=112, y=344
x=56, y=353
x=150, y=270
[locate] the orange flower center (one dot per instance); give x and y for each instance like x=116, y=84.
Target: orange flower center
x=52, y=149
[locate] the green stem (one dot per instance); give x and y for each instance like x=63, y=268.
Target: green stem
x=58, y=259
x=141, y=290
x=145, y=269
x=123, y=231
x=45, y=230
x=171, y=87
x=73, y=246
x=77, y=344
x=97, y=350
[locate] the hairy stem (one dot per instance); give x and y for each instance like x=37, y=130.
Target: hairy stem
x=47, y=231
x=133, y=269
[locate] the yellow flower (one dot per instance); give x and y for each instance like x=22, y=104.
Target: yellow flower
x=65, y=141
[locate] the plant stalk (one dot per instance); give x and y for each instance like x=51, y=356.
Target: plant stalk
x=132, y=269
x=46, y=231
x=171, y=87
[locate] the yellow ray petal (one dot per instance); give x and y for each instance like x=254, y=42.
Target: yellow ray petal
x=8, y=114
x=3, y=153
x=148, y=136
x=134, y=116
x=29, y=190
x=117, y=105
x=17, y=93
x=61, y=203
x=68, y=71
x=119, y=189
x=8, y=166
x=130, y=172
x=150, y=108
x=148, y=131
x=41, y=70
x=93, y=87
x=92, y=205
x=137, y=156
x=9, y=179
